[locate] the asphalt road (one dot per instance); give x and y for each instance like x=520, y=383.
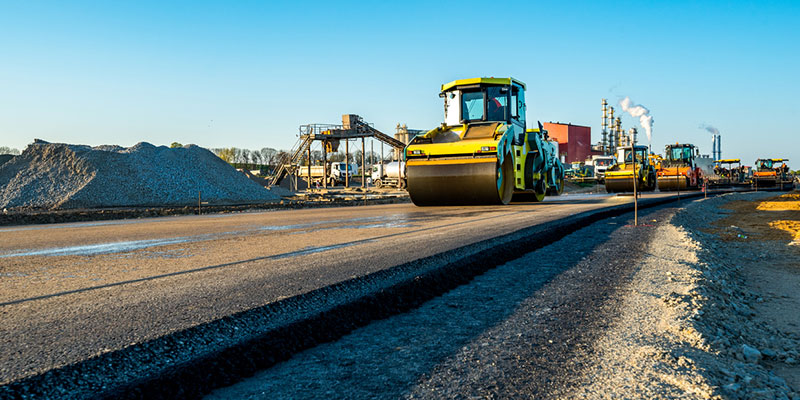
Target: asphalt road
x=72, y=291
x=523, y=330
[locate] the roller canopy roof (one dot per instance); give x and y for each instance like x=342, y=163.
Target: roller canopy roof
x=481, y=81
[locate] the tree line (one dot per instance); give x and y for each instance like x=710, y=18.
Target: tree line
x=9, y=150
x=267, y=159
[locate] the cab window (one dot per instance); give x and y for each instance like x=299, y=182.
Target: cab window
x=496, y=103
x=472, y=106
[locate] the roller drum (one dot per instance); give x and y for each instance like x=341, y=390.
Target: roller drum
x=666, y=183
x=620, y=184
x=454, y=182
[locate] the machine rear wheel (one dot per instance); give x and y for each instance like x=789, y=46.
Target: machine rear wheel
x=505, y=181
x=558, y=189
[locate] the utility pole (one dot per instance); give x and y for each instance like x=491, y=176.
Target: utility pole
x=635, y=195
x=363, y=163
x=325, y=164
x=371, y=155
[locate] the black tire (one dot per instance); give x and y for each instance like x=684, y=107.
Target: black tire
x=505, y=180
x=558, y=188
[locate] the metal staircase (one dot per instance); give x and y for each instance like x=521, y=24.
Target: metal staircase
x=300, y=147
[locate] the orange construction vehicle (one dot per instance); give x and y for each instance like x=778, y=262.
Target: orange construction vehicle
x=678, y=169
x=772, y=172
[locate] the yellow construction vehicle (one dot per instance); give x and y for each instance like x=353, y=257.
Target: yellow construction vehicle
x=678, y=169
x=620, y=177
x=483, y=153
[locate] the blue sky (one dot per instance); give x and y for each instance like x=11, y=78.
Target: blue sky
x=248, y=74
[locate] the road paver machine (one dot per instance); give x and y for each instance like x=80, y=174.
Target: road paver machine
x=771, y=172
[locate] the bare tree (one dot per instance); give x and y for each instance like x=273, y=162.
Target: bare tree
x=225, y=153
x=255, y=156
x=8, y=150
x=316, y=157
x=372, y=157
x=268, y=155
x=336, y=157
x=357, y=157
x=282, y=158
x=237, y=155
x=247, y=156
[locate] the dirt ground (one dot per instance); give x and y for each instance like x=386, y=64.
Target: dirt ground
x=774, y=219
x=775, y=224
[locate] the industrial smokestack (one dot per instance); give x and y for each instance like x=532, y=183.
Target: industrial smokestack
x=611, y=135
x=604, y=142
x=716, y=141
x=714, y=147
x=633, y=133
x=641, y=112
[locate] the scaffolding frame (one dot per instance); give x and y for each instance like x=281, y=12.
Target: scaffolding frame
x=330, y=135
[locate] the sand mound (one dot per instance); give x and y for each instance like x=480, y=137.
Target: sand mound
x=57, y=175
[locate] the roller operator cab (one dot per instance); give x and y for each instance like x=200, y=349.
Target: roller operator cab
x=483, y=153
x=678, y=169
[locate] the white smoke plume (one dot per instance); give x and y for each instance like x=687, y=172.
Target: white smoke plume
x=711, y=129
x=641, y=112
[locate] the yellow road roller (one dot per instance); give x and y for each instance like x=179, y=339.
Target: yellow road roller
x=620, y=177
x=483, y=152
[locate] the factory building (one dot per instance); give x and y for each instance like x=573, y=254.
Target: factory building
x=574, y=141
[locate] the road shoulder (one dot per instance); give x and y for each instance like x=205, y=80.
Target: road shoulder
x=703, y=317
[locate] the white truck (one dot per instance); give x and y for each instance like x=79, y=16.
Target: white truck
x=337, y=172
x=389, y=174
x=601, y=164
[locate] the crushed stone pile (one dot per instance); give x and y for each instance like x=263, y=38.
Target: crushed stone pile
x=4, y=158
x=61, y=176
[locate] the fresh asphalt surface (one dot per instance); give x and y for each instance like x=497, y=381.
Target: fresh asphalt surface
x=72, y=291
x=523, y=330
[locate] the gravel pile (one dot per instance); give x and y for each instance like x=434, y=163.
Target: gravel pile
x=4, y=158
x=61, y=176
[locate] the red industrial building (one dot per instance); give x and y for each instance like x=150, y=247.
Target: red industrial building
x=574, y=141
